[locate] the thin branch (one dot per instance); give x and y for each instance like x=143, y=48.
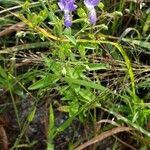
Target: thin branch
x=103, y=136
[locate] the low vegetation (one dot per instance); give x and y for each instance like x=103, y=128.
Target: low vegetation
x=82, y=83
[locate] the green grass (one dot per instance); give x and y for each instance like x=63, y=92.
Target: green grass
x=88, y=73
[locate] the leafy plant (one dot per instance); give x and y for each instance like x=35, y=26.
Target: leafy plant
x=82, y=69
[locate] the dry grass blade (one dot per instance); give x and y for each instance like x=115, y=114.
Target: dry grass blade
x=108, y=121
x=13, y=28
x=3, y=135
x=103, y=136
x=124, y=143
x=3, y=138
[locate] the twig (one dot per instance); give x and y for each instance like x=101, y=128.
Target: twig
x=103, y=136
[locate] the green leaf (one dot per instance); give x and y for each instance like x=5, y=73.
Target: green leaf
x=31, y=115
x=64, y=125
x=45, y=82
x=139, y=43
x=97, y=66
x=73, y=108
x=51, y=127
x=86, y=84
x=50, y=146
x=146, y=26
x=101, y=5
x=81, y=13
x=68, y=35
x=82, y=51
x=118, y=13
x=87, y=95
x=26, y=5
x=144, y=84
x=51, y=117
x=71, y=39
x=3, y=73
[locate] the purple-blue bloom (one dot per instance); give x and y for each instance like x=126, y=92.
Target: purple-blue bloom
x=90, y=4
x=67, y=6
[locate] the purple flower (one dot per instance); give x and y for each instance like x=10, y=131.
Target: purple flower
x=67, y=6
x=90, y=4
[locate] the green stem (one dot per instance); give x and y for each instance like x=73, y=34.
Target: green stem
x=15, y=108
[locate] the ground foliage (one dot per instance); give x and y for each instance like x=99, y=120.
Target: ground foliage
x=84, y=87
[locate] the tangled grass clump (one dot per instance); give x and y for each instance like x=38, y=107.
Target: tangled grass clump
x=70, y=84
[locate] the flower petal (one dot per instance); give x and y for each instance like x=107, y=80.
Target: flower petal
x=67, y=6
x=92, y=16
x=67, y=19
x=91, y=3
